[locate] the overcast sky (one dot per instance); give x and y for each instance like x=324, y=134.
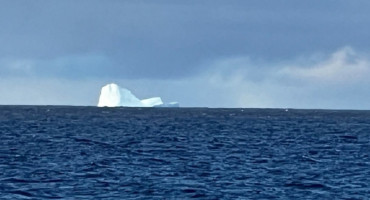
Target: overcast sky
x=234, y=53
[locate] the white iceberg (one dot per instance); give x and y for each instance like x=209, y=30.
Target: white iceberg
x=112, y=95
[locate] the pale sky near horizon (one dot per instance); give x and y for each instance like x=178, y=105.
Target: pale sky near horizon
x=214, y=53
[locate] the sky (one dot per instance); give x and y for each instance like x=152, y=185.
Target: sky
x=201, y=53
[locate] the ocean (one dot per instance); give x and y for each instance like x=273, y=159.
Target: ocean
x=65, y=152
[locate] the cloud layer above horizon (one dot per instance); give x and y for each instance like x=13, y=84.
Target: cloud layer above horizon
x=200, y=53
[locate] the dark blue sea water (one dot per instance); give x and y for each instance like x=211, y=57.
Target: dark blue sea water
x=49, y=152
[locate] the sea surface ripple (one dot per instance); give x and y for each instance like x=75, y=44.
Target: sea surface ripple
x=51, y=152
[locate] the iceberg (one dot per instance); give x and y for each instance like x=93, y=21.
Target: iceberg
x=112, y=95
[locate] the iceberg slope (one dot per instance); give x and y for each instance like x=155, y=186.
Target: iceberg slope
x=112, y=95
x=151, y=102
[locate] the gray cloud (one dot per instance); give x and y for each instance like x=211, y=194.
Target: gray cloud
x=172, y=39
